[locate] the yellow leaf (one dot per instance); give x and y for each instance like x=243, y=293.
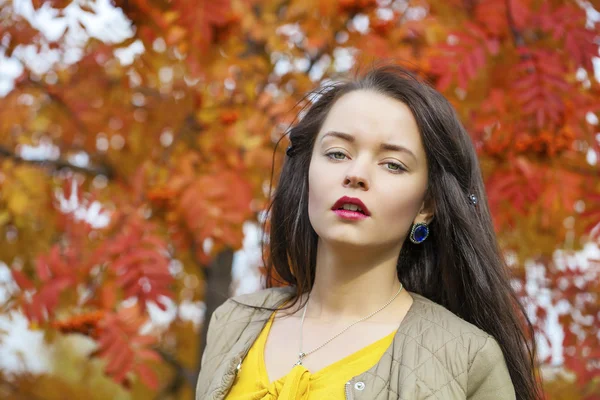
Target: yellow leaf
x=30, y=178
x=170, y=16
x=40, y=123
x=4, y=217
x=18, y=202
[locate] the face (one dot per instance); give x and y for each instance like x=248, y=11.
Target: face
x=350, y=158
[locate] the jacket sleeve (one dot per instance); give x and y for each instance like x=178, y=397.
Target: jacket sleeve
x=213, y=327
x=212, y=337
x=488, y=376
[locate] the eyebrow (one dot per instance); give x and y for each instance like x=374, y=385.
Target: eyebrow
x=384, y=146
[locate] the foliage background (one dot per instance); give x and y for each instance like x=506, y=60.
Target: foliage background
x=136, y=149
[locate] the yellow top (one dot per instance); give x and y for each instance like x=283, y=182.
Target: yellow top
x=252, y=381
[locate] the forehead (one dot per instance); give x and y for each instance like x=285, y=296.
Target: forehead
x=373, y=116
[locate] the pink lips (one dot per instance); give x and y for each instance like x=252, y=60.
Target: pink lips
x=351, y=215
x=347, y=214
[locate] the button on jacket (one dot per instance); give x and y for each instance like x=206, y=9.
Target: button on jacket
x=434, y=354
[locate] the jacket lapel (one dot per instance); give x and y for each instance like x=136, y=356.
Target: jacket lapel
x=249, y=322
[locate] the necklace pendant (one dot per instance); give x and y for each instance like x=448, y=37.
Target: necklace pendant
x=300, y=357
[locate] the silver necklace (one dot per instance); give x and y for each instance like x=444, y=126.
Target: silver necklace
x=302, y=354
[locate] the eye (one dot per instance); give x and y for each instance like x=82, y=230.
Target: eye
x=398, y=168
x=334, y=153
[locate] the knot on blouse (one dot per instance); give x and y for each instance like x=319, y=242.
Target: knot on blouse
x=295, y=385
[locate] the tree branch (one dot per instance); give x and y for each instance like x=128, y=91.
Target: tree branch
x=60, y=102
x=182, y=374
x=105, y=170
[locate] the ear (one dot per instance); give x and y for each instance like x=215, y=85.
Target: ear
x=426, y=212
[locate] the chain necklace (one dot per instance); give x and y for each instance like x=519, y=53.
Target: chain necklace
x=302, y=355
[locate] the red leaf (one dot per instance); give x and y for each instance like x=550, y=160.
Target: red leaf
x=143, y=340
x=468, y=52
x=147, y=376
x=151, y=355
x=122, y=347
x=119, y=359
x=22, y=281
x=141, y=267
x=125, y=365
x=444, y=82
x=540, y=86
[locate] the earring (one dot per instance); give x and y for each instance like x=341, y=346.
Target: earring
x=419, y=233
x=473, y=199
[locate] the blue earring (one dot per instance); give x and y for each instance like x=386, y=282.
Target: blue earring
x=419, y=233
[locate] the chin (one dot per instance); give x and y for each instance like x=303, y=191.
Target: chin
x=345, y=240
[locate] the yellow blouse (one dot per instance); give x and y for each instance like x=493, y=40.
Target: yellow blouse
x=252, y=382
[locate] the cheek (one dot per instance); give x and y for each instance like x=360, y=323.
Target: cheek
x=314, y=188
x=401, y=202
x=319, y=187
x=403, y=209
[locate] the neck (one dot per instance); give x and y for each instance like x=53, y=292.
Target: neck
x=350, y=284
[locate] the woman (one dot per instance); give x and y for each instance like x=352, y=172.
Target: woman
x=393, y=285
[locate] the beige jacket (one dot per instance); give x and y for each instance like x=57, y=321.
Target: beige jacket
x=434, y=355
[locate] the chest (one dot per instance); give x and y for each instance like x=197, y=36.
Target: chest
x=416, y=365
x=282, y=345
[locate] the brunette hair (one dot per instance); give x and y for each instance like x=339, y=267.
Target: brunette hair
x=459, y=266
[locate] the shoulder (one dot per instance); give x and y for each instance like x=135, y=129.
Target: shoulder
x=266, y=297
x=433, y=338
x=436, y=324
x=245, y=306
x=237, y=313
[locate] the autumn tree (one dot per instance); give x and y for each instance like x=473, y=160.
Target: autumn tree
x=151, y=167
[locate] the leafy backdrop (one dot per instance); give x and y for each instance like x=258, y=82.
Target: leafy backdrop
x=130, y=158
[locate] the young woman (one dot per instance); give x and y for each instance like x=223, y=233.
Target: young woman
x=393, y=284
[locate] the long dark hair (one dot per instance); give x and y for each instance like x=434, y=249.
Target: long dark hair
x=459, y=266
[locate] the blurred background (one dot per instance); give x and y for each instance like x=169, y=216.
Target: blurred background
x=138, y=137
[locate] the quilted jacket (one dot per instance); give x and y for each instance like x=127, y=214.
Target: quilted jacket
x=434, y=354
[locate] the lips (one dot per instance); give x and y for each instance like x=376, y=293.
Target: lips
x=351, y=200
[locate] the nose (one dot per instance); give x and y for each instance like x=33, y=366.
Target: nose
x=356, y=177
